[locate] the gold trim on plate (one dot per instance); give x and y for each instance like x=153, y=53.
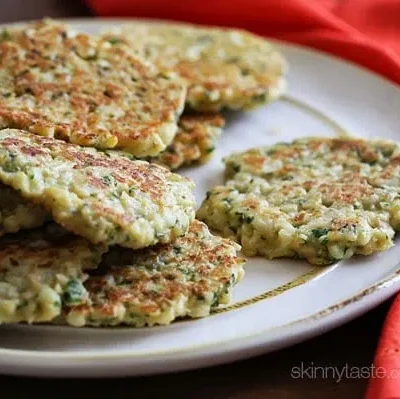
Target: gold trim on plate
x=302, y=279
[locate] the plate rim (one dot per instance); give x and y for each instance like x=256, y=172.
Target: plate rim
x=390, y=284
x=304, y=328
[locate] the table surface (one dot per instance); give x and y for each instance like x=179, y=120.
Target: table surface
x=266, y=376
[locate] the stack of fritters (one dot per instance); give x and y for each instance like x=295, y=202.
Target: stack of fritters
x=104, y=199
x=127, y=89
x=95, y=228
x=85, y=122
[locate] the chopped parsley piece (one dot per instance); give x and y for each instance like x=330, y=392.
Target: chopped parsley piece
x=74, y=292
x=210, y=150
x=215, y=301
x=317, y=233
x=5, y=35
x=244, y=218
x=106, y=180
x=21, y=305
x=227, y=201
x=245, y=71
x=236, y=168
x=177, y=250
x=260, y=98
x=114, y=40
x=57, y=304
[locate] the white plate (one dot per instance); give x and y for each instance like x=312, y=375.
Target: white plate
x=278, y=303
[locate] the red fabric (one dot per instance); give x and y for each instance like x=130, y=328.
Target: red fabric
x=366, y=32
x=385, y=381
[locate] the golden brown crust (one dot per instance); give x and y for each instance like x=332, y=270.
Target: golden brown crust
x=224, y=68
x=155, y=285
x=68, y=85
x=195, y=141
x=322, y=199
x=290, y=160
x=104, y=197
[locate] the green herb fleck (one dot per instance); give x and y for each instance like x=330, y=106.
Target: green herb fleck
x=114, y=40
x=57, y=304
x=106, y=180
x=245, y=71
x=215, y=301
x=260, y=98
x=5, y=35
x=10, y=168
x=22, y=304
x=74, y=292
x=93, y=57
x=244, y=218
x=210, y=150
x=227, y=201
x=317, y=233
x=236, y=168
x=177, y=250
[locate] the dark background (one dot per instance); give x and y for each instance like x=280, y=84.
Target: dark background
x=259, y=378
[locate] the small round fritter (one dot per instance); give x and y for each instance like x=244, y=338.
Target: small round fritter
x=195, y=141
x=224, y=68
x=56, y=82
x=186, y=278
x=322, y=200
x=16, y=213
x=106, y=199
x=42, y=269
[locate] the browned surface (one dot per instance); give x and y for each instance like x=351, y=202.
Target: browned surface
x=73, y=84
x=265, y=377
x=194, y=142
x=108, y=176
x=179, y=269
x=242, y=77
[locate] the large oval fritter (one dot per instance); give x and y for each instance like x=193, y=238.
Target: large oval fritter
x=104, y=197
x=59, y=83
x=42, y=269
x=186, y=278
x=315, y=198
x=194, y=143
x=224, y=68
